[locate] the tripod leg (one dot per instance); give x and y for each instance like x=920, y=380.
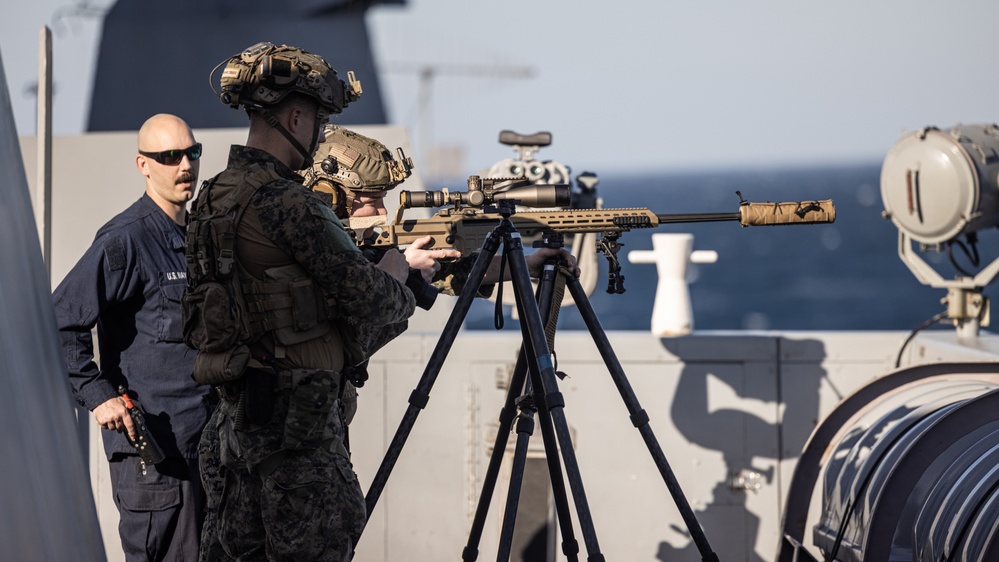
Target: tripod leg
x=421, y=395
x=570, y=547
x=639, y=418
x=506, y=418
x=546, y=383
x=525, y=428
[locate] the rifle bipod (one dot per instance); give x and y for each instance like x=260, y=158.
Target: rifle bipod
x=540, y=395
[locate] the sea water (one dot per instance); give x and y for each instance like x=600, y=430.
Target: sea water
x=841, y=276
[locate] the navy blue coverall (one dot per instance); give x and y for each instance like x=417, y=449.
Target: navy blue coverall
x=129, y=284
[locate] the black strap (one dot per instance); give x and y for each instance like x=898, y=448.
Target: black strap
x=273, y=122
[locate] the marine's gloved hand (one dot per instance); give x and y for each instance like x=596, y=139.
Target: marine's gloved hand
x=114, y=415
x=535, y=262
x=423, y=290
x=394, y=263
x=426, y=260
x=537, y=259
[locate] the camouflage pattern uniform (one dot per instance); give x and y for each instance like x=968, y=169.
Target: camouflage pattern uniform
x=278, y=477
x=213, y=482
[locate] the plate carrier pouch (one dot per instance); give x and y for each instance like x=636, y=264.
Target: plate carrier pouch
x=213, y=309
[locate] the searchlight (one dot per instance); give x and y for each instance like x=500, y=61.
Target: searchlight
x=940, y=188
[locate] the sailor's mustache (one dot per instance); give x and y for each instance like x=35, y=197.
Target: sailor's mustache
x=186, y=177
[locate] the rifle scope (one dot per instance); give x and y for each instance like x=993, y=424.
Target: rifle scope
x=529, y=196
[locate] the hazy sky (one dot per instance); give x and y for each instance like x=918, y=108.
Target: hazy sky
x=633, y=86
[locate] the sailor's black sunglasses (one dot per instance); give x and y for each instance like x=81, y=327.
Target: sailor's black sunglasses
x=173, y=157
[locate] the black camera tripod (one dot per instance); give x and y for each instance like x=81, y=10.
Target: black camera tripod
x=535, y=394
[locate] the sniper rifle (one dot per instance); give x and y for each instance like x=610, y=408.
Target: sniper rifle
x=467, y=218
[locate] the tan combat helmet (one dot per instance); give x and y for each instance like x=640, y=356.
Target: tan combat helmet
x=265, y=73
x=353, y=163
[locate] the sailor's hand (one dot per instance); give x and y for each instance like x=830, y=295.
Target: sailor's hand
x=114, y=415
x=426, y=260
x=536, y=260
x=394, y=263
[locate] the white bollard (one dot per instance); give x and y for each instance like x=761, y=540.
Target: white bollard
x=671, y=312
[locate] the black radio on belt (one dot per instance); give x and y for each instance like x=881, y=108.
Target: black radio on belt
x=149, y=450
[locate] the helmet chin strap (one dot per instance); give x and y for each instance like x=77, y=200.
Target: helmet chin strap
x=273, y=122
x=314, y=145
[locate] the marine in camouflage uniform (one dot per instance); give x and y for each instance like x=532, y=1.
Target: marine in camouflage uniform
x=353, y=174
x=278, y=476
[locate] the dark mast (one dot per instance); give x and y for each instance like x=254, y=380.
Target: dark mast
x=155, y=57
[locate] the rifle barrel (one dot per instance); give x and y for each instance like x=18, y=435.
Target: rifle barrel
x=698, y=217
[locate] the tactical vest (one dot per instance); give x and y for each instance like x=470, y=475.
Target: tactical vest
x=225, y=309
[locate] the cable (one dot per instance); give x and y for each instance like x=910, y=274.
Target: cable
x=933, y=320
x=972, y=254
x=498, y=311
